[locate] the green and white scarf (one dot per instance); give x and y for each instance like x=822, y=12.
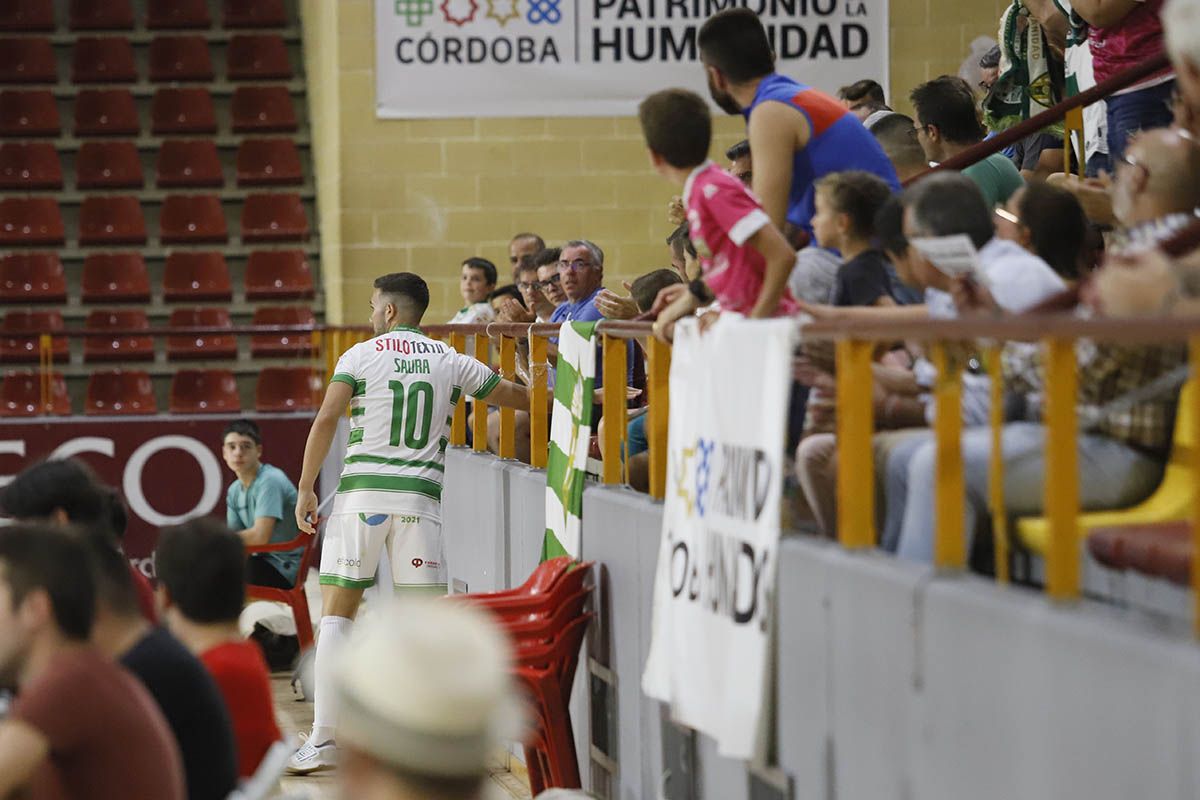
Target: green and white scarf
x=1024, y=87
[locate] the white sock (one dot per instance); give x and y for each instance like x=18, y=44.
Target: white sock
x=334, y=633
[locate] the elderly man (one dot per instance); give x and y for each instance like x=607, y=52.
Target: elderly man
x=581, y=273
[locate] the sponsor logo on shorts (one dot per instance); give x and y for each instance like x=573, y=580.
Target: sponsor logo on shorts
x=416, y=562
x=420, y=562
x=349, y=562
x=374, y=519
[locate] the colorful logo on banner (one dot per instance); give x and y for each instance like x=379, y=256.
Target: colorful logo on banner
x=462, y=12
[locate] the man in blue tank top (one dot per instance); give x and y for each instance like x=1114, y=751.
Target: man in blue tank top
x=797, y=134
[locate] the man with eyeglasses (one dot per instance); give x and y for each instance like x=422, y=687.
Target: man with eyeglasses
x=581, y=273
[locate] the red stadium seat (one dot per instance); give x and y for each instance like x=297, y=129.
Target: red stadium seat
x=191, y=276
x=103, y=60
x=108, y=165
x=101, y=15
x=288, y=389
x=200, y=345
x=32, y=278
x=115, y=278
x=111, y=220
x=180, y=58
x=119, y=392
x=182, y=111
x=192, y=219
x=189, y=163
x=29, y=166
x=27, y=59
x=274, y=218
x=266, y=162
x=254, y=14
x=263, y=109
x=282, y=345
x=20, y=334
x=27, y=15
x=177, y=14
x=31, y=221
x=118, y=347
x=258, y=57
x=278, y=275
x=204, y=391
x=31, y=113
x=21, y=395
x=106, y=112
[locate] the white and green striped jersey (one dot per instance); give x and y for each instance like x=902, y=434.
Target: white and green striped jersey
x=405, y=389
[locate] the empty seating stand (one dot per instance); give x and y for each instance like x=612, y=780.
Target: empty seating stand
x=115, y=278
x=189, y=163
x=263, y=109
x=253, y=14
x=192, y=277
x=108, y=165
x=25, y=113
x=106, y=112
x=282, y=345
x=258, y=57
x=278, y=275
x=268, y=162
x=101, y=15
x=180, y=58
x=121, y=345
x=177, y=15
x=274, y=218
x=21, y=395
x=193, y=219
x=120, y=392
x=31, y=221
x=30, y=166
x=186, y=346
x=20, y=336
x=204, y=391
x=179, y=111
x=108, y=220
x=107, y=59
x=27, y=16
x=288, y=389
x=27, y=59
x=32, y=278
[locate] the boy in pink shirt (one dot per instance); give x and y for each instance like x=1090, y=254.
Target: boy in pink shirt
x=745, y=260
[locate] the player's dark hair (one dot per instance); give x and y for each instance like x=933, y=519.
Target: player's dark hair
x=54, y=560
x=864, y=90
x=243, y=427
x=58, y=483
x=483, y=265
x=409, y=286
x=110, y=571
x=646, y=287
x=202, y=564
x=889, y=227
x=948, y=103
x=735, y=42
x=677, y=125
x=857, y=194
x=739, y=150
x=1058, y=226
x=547, y=257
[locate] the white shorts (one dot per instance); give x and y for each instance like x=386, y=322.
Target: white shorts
x=354, y=544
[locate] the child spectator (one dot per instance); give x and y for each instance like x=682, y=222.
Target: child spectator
x=202, y=587
x=510, y=292
x=478, y=280
x=847, y=203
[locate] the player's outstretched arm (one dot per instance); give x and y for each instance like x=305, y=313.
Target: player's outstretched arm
x=509, y=395
x=320, y=437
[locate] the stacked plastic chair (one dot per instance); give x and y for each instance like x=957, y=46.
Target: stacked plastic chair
x=547, y=620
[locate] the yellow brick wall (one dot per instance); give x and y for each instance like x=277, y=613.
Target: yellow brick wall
x=422, y=195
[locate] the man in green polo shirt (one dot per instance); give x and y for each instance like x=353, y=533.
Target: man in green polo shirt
x=260, y=505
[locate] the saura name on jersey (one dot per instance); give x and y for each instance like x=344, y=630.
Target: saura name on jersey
x=413, y=366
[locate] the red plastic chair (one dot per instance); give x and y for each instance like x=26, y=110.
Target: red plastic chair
x=194, y=346
x=32, y=278
x=274, y=218
x=97, y=15
x=103, y=60
x=106, y=112
x=189, y=163
x=262, y=109
x=193, y=219
x=31, y=221
x=27, y=15
x=111, y=220
x=254, y=14
x=182, y=111
x=519, y=603
x=27, y=59
x=21, y=395
x=177, y=14
x=278, y=275
x=29, y=113
x=29, y=166
x=288, y=389
x=180, y=58
x=293, y=597
x=258, y=57
x=118, y=347
x=543, y=579
x=282, y=345
x=544, y=627
x=189, y=276
x=204, y=391
x=20, y=333
x=119, y=392
x=268, y=162
x=108, y=165
x=115, y=278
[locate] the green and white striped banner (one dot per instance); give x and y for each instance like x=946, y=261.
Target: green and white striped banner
x=570, y=434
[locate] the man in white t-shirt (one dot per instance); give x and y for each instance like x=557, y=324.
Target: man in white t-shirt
x=401, y=389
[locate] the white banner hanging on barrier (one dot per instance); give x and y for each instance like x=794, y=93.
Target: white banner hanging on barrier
x=581, y=58
x=714, y=592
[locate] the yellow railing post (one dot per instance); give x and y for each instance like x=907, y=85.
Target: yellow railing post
x=508, y=416
x=45, y=372
x=614, y=406
x=949, y=540
x=658, y=361
x=855, y=427
x=539, y=418
x=1062, y=471
x=1194, y=353
x=1072, y=135
x=458, y=424
x=996, y=464
x=479, y=430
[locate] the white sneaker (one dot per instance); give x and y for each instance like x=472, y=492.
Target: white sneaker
x=313, y=758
